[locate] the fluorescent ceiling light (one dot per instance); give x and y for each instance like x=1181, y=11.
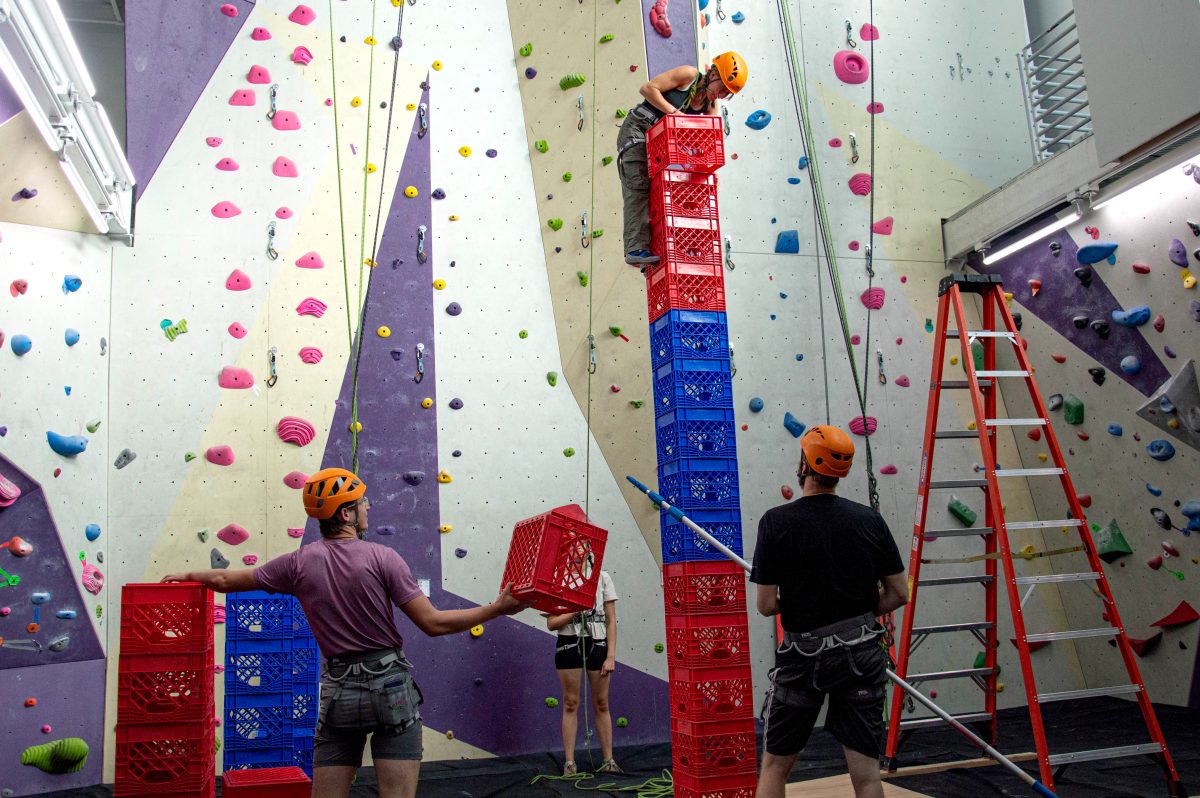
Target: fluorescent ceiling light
x=8, y=68
x=117, y=154
x=51, y=9
x=1144, y=183
x=84, y=197
x=1038, y=235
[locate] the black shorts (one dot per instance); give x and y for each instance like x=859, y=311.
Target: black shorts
x=569, y=655
x=385, y=704
x=853, y=678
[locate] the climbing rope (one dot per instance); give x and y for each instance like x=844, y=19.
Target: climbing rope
x=658, y=787
x=587, y=479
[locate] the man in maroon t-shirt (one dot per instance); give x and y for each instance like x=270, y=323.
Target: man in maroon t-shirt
x=347, y=588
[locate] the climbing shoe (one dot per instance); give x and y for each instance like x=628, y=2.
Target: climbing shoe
x=569, y=768
x=638, y=257
x=609, y=766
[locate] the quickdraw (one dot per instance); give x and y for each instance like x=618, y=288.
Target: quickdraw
x=274, y=378
x=725, y=117
x=850, y=35
x=720, y=12
x=272, y=253
x=591, y=354
x=579, y=104
x=583, y=231
x=728, y=254
x=274, y=97
x=420, y=375
x=422, y=120
x=870, y=263
x=879, y=362
x=853, y=148
x=421, y=231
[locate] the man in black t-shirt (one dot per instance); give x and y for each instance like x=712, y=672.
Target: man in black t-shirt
x=819, y=563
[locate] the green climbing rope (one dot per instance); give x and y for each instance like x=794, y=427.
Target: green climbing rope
x=659, y=787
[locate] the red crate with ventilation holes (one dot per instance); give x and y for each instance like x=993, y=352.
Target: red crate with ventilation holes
x=712, y=694
x=153, y=759
x=683, y=195
x=287, y=782
x=704, y=587
x=165, y=688
x=554, y=560
x=686, y=143
x=704, y=752
x=668, y=289
x=166, y=618
x=688, y=246
x=697, y=641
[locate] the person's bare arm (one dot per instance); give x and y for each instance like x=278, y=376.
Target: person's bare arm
x=556, y=622
x=893, y=595
x=218, y=579
x=678, y=78
x=767, y=600
x=610, y=626
x=434, y=622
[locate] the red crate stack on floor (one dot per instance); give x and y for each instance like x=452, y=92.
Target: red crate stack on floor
x=165, y=710
x=707, y=634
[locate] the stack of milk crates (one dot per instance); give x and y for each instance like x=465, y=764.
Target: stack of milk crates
x=708, y=651
x=271, y=677
x=166, y=743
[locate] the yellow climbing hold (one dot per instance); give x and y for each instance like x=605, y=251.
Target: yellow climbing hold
x=370, y=262
x=371, y=40
x=454, y=217
x=1189, y=279
x=356, y=426
x=439, y=283
x=427, y=403
x=954, y=360
x=464, y=152
x=444, y=528
x=971, y=425
x=384, y=331
x=444, y=477
x=1027, y=551
x=1173, y=423
x=397, y=3
x=476, y=631
x=411, y=107
x=411, y=192
x=999, y=687
x=437, y=66
x=1042, y=456
x=372, y=168
x=357, y=101
x=449, y=734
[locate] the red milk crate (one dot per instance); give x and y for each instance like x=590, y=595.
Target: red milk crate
x=688, y=246
x=701, y=752
x=686, y=143
x=683, y=195
x=704, y=588
x=287, y=782
x=166, y=618
x=165, y=688
x=690, y=289
x=155, y=758
x=707, y=640
x=711, y=694
x=689, y=785
x=554, y=560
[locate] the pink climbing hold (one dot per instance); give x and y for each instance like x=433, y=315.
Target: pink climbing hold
x=883, y=227
x=312, y=307
x=302, y=15
x=855, y=339
x=875, y=108
x=302, y=56
x=311, y=355
x=868, y=32
x=92, y=580
x=872, y=298
x=237, y=331
x=243, y=97
x=293, y=532
x=863, y=425
x=283, y=212
x=229, y=10
x=1141, y=268
x=228, y=165
x=889, y=470
x=295, y=430
x=853, y=246
x=835, y=142
x=225, y=210
x=219, y=455
x=295, y=479
x=851, y=67
x=286, y=120
x=213, y=141
x=284, y=167
x=250, y=559
x=233, y=534
x=860, y=184
x=235, y=378
x=260, y=34
x=310, y=260
x=658, y=19
x=258, y=74
x=903, y=381
x=1160, y=323
x=238, y=280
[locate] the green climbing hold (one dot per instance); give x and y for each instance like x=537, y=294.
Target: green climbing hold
x=1073, y=409
x=526, y=49
x=541, y=146
x=552, y=702
x=606, y=160
x=621, y=113
x=961, y=511
x=981, y=662
x=597, y=233
x=67, y=755
x=606, y=38
x=567, y=177
x=568, y=452
x=622, y=722
x=1111, y=545
x=552, y=378
x=977, y=355
x=189, y=457
x=583, y=278
x=203, y=535
x=615, y=330
x=572, y=80
x=636, y=403
x=554, y=224
x=93, y=425
x=523, y=334
x=659, y=648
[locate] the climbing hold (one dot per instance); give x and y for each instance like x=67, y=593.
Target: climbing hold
x=566, y=178
x=453, y=309
x=91, y=531
x=310, y=355
x=1178, y=253
x=530, y=73
x=71, y=284
x=427, y=403
x=243, y=97
x=860, y=184
x=384, y=331
x=1131, y=365
x=583, y=278
x=552, y=702
x=851, y=67
x=903, y=381
x=883, y=227
x=456, y=404
x=1189, y=279
x=1159, y=323
x=476, y=631
x=523, y=334
x=225, y=210
x=554, y=224
x=284, y=167
x=311, y=307
x=18, y=287
x=217, y=560
x=872, y=298
x=125, y=457
x=552, y=378
x=66, y=445
x=67, y=755
x=1116, y=430
x=219, y=455
x=295, y=479
x=285, y=120
x=238, y=280
x=793, y=425
x=1153, y=491
x=568, y=452
x=302, y=15
x=302, y=56
x=1183, y=614
x=1094, y=253
x=292, y=429
x=758, y=120
x=787, y=242
x=1099, y=374
x=1134, y=317
x=541, y=146
x=1160, y=450
x=21, y=344
x=863, y=425
x=1101, y=329
x=229, y=10
x=439, y=284
x=1058, y=357
x=283, y=212
x=786, y=492
x=437, y=65
x=235, y=378
x=957, y=508
x=1072, y=406
x=526, y=49
x=414, y=478
x=233, y=534
x=756, y=405
x=1085, y=274
x=875, y=108
x=1035, y=286
x=572, y=80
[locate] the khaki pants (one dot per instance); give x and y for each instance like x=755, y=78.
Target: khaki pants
x=635, y=181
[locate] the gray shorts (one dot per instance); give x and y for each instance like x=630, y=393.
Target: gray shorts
x=383, y=702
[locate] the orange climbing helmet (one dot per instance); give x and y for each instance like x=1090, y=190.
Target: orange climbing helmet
x=330, y=488
x=828, y=450
x=732, y=69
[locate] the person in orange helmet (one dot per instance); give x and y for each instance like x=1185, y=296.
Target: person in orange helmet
x=682, y=90
x=347, y=588
x=829, y=567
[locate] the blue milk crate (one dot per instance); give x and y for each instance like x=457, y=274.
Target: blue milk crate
x=258, y=615
x=258, y=721
x=695, y=334
x=681, y=544
x=281, y=756
x=700, y=483
x=695, y=433
x=305, y=705
x=269, y=666
x=698, y=384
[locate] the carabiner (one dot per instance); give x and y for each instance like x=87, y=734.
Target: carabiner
x=422, y=120
x=272, y=253
x=853, y=148
x=720, y=12
x=879, y=361
x=421, y=257
x=591, y=354
x=420, y=363
x=850, y=35
x=583, y=232
x=274, y=96
x=725, y=116
x=274, y=378
x=732, y=363
x=728, y=255
x=870, y=261
x=579, y=104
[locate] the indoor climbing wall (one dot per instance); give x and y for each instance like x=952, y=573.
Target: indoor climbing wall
x=54, y=417
x=1110, y=316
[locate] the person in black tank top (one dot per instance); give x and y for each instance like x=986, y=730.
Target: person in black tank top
x=682, y=90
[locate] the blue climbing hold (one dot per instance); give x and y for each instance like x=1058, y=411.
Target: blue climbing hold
x=1165, y=404
x=756, y=405
x=1116, y=430
x=788, y=242
x=1131, y=365
x=793, y=425
x=799, y=358
x=738, y=18
x=703, y=4
x=92, y=531
x=65, y=615
x=1134, y=317
x=1160, y=450
x=772, y=317
x=758, y=120
x=66, y=445
x=803, y=162
x=71, y=336
x=41, y=597
x=21, y=345
x=1191, y=510
x=71, y=284
x=782, y=295
x=1153, y=490
x=1094, y=253
x=795, y=181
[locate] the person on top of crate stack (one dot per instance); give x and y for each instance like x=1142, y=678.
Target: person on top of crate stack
x=587, y=640
x=819, y=563
x=347, y=588
x=682, y=90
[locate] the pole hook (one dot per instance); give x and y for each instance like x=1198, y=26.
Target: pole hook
x=272, y=253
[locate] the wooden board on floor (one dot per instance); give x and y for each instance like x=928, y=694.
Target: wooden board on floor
x=839, y=787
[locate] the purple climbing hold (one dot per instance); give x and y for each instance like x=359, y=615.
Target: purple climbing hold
x=438, y=194
x=397, y=355
x=454, y=309
x=1178, y=253
x=456, y=453
x=460, y=553
x=386, y=530
x=1194, y=309
x=3, y=431
x=414, y=477
x=557, y=250
x=491, y=153
x=25, y=193
x=530, y=73
x=456, y=403
x=397, y=42
x=1169, y=352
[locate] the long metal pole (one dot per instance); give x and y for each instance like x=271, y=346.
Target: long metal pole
x=916, y=694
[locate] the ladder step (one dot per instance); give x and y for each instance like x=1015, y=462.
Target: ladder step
x=955, y=433
x=918, y=723
x=1041, y=580
x=969, y=626
x=1015, y=422
x=981, y=334
x=934, y=676
x=958, y=483
x=1020, y=373
x=1105, y=753
x=1029, y=472
x=1072, y=634
x=1041, y=524
x=1093, y=692
x=929, y=534
x=981, y=579
x=963, y=384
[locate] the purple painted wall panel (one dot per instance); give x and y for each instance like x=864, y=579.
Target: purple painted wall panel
x=663, y=54
x=10, y=104
x=171, y=52
x=505, y=713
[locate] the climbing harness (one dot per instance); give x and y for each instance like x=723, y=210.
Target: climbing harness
x=272, y=253
x=579, y=104
x=583, y=231
x=421, y=231
x=420, y=364
x=274, y=378
x=850, y=35
x=835, y=635
x=274, y=98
